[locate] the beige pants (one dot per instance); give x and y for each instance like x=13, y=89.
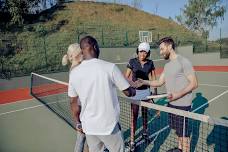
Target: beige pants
x=113, y=142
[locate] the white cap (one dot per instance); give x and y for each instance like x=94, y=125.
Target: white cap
x=144, y=46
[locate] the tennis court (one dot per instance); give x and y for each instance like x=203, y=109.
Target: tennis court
x=30, y=126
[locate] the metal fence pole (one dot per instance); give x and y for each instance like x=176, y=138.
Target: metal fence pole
x=45, y=50
x=206, y=44
x=126, y=38
x=193, y=47
x=78, y=36
x=176, y=39
x=220, y=40
x=102, y=36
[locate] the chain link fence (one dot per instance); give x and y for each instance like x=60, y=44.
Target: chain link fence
x=206, y=46
x=42, y=51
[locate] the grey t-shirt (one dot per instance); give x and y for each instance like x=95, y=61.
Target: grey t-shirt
x=176, y=72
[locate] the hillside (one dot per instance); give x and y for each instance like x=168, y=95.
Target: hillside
x=40, y=44
x=110, y=20
x=112, y=14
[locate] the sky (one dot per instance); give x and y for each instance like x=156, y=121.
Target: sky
x=171, y=8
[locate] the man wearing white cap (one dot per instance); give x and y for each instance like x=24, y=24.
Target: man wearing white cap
x=143, y=68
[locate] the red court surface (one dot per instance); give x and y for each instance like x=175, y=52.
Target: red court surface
x=14, y=95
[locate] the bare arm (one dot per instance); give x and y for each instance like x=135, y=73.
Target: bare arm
x=128, y=73
x=128, y=76
x=152, y=77
x=193, y=84
x=75, y=110
x=129, y=92
x=155, y=83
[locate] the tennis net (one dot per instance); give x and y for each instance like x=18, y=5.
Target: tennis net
x=53, y=94
x=203, y=133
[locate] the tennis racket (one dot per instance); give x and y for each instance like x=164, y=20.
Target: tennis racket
x=157, y=96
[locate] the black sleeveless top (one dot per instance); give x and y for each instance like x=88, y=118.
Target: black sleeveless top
x=139, y=71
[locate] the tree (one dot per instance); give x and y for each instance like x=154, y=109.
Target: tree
x=44, y=3
x=59, y=2
x=1, y=4
x=17, y=9
x=201, y=15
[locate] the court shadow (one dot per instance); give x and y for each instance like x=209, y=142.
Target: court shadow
x=194, y=126
x=198, y=101
x=163, y=130
x=218, y=137
x=158, y=130
x=162, y=101
x=161, y=133
x=157, y=133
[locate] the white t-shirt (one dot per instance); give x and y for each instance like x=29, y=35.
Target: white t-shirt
x=95, y=82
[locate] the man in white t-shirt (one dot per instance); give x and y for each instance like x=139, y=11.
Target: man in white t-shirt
x=94, y=82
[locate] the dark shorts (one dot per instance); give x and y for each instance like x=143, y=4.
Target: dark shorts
x=176, y=122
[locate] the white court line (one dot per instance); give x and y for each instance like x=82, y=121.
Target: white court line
x=117, y=63
x=67, y=84
x=213, y=99
x=213, y=85
x=29, y=99
x=27, y=108
x=121, y=63
x=19, y=101
x=13, y=111
x=166, y=127
x=154, y=134
x=51, y=79
x=202, y=84
x=158, y=59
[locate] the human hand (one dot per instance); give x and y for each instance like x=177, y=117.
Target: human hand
x=78, y=127
x=133, y=92
x=132, y=83
x=139, y=82
x=173, y=96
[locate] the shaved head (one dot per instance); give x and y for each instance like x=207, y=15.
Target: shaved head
x=90, y=48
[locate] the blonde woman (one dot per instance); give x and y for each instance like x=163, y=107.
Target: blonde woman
x=73, y=57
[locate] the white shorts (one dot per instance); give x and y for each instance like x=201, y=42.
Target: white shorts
x=141, y=94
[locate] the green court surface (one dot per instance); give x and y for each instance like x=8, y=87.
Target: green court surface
x=209, y=99
x=29, y=126
x=33, y=128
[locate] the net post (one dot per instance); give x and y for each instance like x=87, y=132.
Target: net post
x=183, y=134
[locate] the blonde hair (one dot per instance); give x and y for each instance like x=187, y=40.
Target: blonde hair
x=73, y=51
